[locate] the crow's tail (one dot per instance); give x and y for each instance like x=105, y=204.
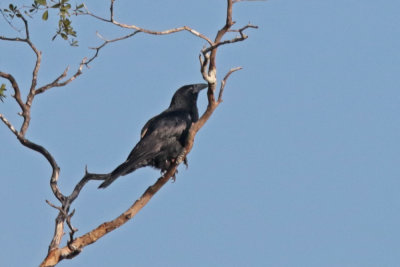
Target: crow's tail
x=122, y=169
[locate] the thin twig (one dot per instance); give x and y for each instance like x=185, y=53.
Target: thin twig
x=56, y=82
x=137, y=28
x=9, y=125
x=235, y=1
x=107, y=42
x=240, y=38
x=112, y=10
x=56, y=207
x=223, y=82
x=86, y=178
x=16, y=39
x=8, y=21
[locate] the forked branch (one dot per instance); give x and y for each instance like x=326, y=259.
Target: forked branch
x=140, y=29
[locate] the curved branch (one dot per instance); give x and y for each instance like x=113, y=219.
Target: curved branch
x=140, y=29
x=26, y=109
x=14, y=84
x=52, y=162
x=107, y=42
x=223, y=82
x=76, y=246
x=56, y=82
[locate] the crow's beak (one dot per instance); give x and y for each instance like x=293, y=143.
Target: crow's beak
x=200, y=86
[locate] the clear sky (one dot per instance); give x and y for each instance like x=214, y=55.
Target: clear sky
x=298, y=167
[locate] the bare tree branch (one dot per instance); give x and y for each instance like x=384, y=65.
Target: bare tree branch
x=56, y=82
x=240, y=38
x=223, y=82
x=25, y=107
x=107, y=42
x=9, y=125
x=137, y=28
x=235, y=1
x=14, y=84
x=16, y=39
x=228, y=24
x=9, y=22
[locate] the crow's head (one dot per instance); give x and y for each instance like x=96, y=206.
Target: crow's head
x=186, y=96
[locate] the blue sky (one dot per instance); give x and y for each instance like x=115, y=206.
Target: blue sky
x=299, y=166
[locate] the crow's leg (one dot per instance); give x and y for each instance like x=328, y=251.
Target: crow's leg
x=182, y=157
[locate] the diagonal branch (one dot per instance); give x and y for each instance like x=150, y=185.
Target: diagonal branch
x=56, y=82
x=107, y=42
x=9, y=125
x=14, y=84
x=223, y=82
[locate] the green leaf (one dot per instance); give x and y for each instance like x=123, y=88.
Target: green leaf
x=74, y=42
x=2, y=90
x=45, y=15
x=56, y=6
x=41, y=2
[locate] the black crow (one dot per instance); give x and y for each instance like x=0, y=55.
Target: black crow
x=164, y=136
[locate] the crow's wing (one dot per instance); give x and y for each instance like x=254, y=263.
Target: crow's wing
x=146, y=126
x=161, y=135
x=159, y=132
